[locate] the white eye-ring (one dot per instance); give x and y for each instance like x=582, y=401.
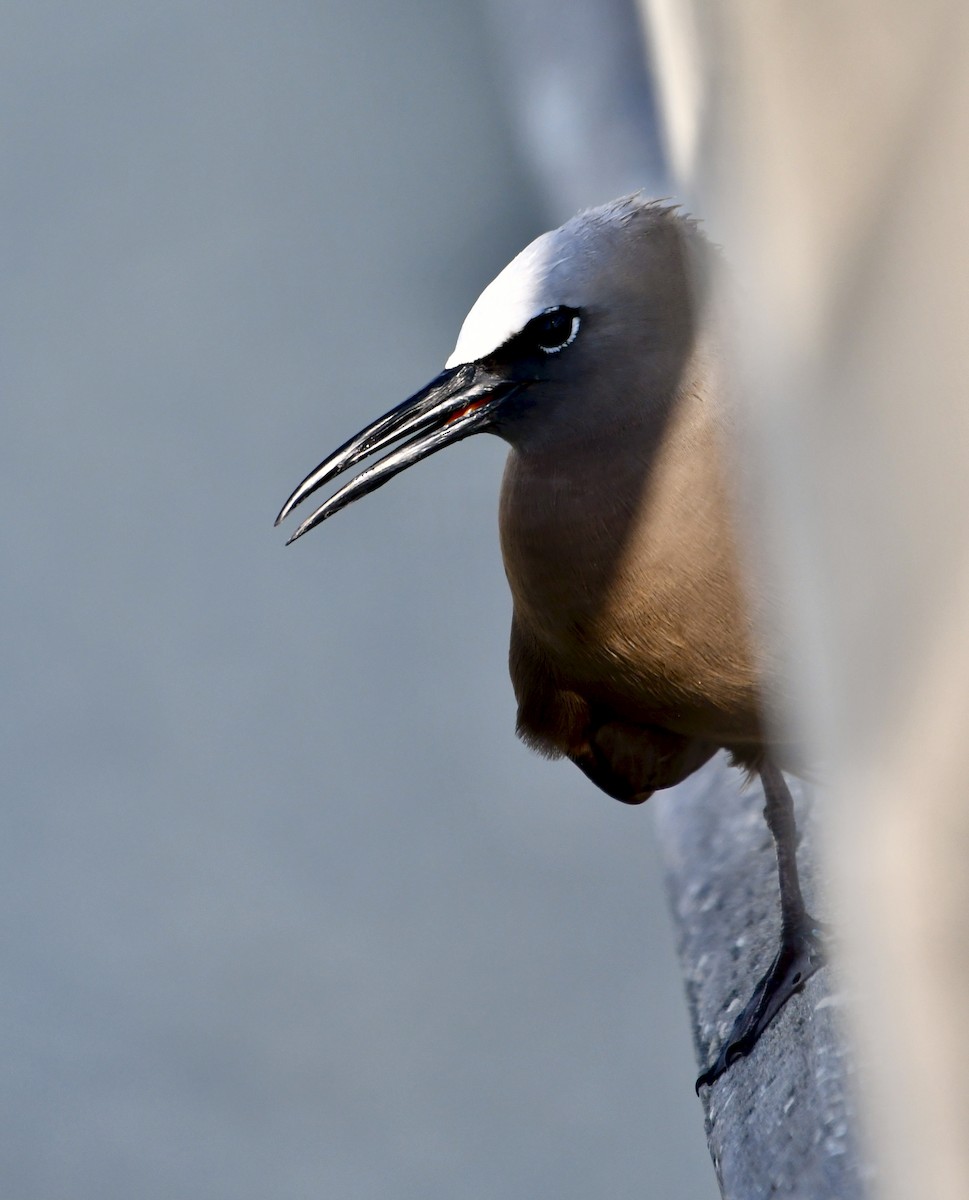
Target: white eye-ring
x=554, y=329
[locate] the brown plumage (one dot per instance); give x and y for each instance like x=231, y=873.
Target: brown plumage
x=631, y=648
x=600, y=355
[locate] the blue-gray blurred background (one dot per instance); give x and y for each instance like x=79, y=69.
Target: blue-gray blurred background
x=287, y=910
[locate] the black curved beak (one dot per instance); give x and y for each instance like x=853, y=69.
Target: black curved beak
x=459, y=402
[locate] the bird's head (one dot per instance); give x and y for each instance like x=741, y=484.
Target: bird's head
x=575, y=335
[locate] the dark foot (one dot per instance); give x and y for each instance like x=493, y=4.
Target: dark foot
x=800, y=955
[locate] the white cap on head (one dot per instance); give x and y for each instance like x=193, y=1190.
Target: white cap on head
x=535, y=280
x=566, y=266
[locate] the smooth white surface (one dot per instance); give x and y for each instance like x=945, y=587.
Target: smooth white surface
x=834, y=163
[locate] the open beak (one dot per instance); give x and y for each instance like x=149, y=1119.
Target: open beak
x=459, y=402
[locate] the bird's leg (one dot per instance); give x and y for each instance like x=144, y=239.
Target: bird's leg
x=800, y=953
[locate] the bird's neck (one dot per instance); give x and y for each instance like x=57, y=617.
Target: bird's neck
x=622, y=550
x=575, y=506
x=572, y=513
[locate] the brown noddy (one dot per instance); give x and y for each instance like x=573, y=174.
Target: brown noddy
x=598, y=355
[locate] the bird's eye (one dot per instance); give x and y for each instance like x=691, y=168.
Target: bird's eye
x=554, y=329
